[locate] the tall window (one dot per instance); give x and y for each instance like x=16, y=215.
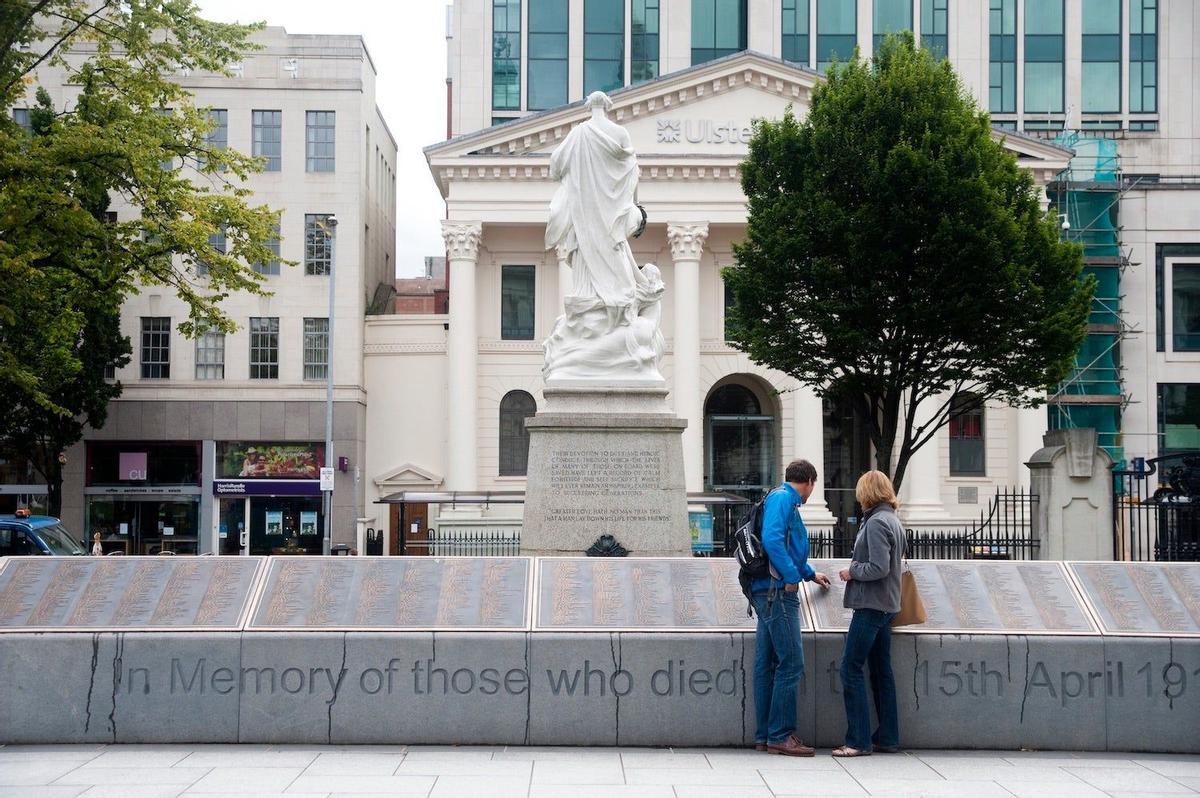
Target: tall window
x=506, y=55
x=156, y=347
x=1043, y=56
x=267, y=138
x=210, y=356
x=718, y=29
x=264, y=348
x=1002, y=58
x=515, y=407
x=319, y=140
x=1178, y=417
x=271, y=267
x=1185, y=307
x=21, y=117
x=603, y=45
x=837, y=27
x=643, y=44
x=218, y=137
x=547, y=54
x=891, y=16
x=935, y=26
x=217, y=243
x=966, y=438
x=516, y=303
x=318, y=247
x=316, y=348
x=1143, y=57
x=1101, y=56
x=795, y=31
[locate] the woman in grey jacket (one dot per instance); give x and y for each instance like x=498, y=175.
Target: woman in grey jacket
x=873, y=592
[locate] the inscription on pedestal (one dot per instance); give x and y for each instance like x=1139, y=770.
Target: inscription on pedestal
x=1142, y=598
x=972, y=597
x=52, y=593
x=331, y=594
x=599, y=593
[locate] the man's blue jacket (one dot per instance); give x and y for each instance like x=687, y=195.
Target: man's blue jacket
x=782, y=520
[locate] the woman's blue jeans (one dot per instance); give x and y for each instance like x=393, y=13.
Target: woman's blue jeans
x=778, y=664
x=869, y=642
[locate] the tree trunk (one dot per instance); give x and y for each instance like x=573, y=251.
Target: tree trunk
x=54, y=483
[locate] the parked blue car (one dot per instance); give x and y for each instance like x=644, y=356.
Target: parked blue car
x=23, y=534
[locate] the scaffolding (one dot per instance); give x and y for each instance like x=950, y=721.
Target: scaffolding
x=1087, y=198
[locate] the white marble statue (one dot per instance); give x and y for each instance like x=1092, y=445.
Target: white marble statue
x=609, y=329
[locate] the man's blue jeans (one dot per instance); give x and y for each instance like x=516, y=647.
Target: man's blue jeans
x=869, y=642
x=778, y=664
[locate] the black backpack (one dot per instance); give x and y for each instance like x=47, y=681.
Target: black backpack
x=749, y=552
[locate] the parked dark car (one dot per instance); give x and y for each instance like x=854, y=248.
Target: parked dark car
x=23, y=534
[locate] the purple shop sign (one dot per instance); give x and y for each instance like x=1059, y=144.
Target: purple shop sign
x=132, y=466
x=266, y=487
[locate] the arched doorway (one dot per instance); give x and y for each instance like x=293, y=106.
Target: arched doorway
x=741, y=432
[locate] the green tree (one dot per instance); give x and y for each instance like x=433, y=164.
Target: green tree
x=896, y=254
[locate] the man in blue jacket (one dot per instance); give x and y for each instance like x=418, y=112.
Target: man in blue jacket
x=778, y=657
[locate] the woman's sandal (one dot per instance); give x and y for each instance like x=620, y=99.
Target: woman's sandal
x=846, y=751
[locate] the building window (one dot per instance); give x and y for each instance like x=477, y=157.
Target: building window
x=318, y=244
x=1185, y=307
x=218, y=137
x=264, y=348
x=795, y=31
x=890, y=16
x=506, y=55
x=516, y=303
x=21, y=117
x=837, y=31
x=718, y=29
x=1043, y=56
x=603, y=45
x=547, y=54
x=1102, y=56
x=267, y=135
x=156, y=347
x=1002, y=58
x=966, y=438
x=515, y=407
x=1178, y=417
x=319, y=140
x=210, y=356
x=271, y=267
x=316, y=348
x=217, y=243
x=643, y=44
x=935, y=27
x=1143, y=57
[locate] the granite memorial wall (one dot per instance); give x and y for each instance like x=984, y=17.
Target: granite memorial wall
x=563, y=651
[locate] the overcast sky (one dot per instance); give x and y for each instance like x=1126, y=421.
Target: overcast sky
x=408, y=45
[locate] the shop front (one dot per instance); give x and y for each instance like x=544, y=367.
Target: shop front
x=20, y=484
x=268, y=498
x=143, y=497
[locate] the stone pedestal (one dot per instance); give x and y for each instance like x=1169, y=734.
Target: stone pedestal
x=1072, y=478
x=605, y=459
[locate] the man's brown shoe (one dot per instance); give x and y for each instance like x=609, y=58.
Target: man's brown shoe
x=792, y=746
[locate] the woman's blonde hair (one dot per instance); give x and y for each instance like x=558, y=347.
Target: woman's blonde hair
x=874, y=488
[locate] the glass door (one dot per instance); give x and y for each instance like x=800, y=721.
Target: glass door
x=233, y=536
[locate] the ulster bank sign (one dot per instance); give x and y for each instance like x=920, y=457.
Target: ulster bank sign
x=702, y=131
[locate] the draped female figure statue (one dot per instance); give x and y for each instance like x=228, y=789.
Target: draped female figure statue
x=610, y=324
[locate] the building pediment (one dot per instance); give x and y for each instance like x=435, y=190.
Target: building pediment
x=408, y=477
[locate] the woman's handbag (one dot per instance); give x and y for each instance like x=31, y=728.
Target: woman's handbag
x=912, y=608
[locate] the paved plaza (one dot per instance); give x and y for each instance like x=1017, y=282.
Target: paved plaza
x=165, y=771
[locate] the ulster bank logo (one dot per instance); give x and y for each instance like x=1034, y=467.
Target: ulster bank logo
x=668, y=131
x=702, y=131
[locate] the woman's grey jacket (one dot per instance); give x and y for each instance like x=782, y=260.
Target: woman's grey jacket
x=877, y=561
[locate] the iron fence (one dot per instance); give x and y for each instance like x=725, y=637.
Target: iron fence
x=466, y=543
x=1156, y=509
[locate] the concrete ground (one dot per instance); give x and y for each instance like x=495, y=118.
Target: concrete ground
x=143, y=771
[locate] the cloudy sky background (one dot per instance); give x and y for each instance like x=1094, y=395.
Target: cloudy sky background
x=407, y=42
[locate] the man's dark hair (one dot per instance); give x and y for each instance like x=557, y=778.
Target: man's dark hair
x=800, y=471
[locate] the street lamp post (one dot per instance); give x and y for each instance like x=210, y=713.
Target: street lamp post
x=330, y=228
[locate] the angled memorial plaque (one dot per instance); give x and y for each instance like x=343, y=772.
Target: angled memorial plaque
x=972, y=597
x=126, y=594
x=1142, y=598
x=579, y=594
x=379, y=593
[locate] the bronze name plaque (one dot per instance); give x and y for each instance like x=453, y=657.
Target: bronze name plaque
x=1142, y=598
x=611, y=594
x=973, y=597
x=126, y=594
x=361, y=593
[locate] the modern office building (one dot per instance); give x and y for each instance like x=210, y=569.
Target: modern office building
x=1098, y=98
x=215, y=443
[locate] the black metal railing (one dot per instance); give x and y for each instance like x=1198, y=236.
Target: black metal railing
x=467, y=543
x=1156, y=509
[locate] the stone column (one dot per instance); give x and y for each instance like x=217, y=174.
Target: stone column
x=687, y=245
x=808, y=442
x=565, y=278
x=462, y=347
x=921, y=493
